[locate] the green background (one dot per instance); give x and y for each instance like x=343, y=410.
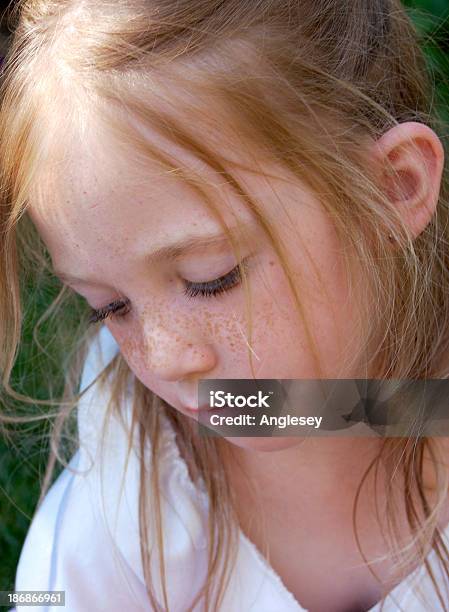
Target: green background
x=21, y=464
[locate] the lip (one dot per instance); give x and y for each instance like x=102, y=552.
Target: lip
x=195, y=411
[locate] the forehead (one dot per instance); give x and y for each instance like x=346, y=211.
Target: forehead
x=101, y=193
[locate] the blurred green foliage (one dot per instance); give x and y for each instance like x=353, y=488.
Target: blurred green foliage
x=21, y=468
x=432, y=20
x=24, y=453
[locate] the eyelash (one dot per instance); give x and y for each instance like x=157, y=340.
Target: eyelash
x=210, y=289
x=102, y=313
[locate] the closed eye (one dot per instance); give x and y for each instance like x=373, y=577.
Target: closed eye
x=111, y=309
x=214, y=288
x=218, y=285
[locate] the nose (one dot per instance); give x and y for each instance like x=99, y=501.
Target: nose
x=170, y=357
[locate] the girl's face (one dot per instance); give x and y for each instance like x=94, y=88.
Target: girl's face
x=111, y=232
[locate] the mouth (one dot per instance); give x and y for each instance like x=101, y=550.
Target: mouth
x=195, y=411
x=199, y=413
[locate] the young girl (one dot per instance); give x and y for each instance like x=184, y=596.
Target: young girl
x=238, y=190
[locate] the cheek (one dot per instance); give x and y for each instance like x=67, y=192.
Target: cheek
x=283, y=341
x=132, y=350
x=279, y=345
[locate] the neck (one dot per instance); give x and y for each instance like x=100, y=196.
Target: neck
x=321, y=466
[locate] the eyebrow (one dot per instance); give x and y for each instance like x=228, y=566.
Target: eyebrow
x=171, y=252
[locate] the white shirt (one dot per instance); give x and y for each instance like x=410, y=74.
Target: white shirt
x=91, y=550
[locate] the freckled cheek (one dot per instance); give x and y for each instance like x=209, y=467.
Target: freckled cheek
x=331, y=311
x=134, y=353
x=131, y=348
x=270, y=328
x=281, y=345
x=222, y=324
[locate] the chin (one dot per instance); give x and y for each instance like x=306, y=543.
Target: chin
x=267, y=445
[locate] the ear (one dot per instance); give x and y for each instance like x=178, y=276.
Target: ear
x=410, y=160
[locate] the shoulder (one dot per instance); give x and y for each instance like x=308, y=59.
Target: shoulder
x=69, y=545
x=85, y=535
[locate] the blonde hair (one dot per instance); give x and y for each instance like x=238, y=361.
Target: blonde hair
x=305, y=82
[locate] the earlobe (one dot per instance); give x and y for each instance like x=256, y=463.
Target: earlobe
x=410, y=159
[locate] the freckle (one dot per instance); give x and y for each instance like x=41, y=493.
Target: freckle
x=272, y=263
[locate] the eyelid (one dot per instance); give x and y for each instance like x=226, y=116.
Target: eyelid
x=219, y=285
x=100, y=314
x=214, y=288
